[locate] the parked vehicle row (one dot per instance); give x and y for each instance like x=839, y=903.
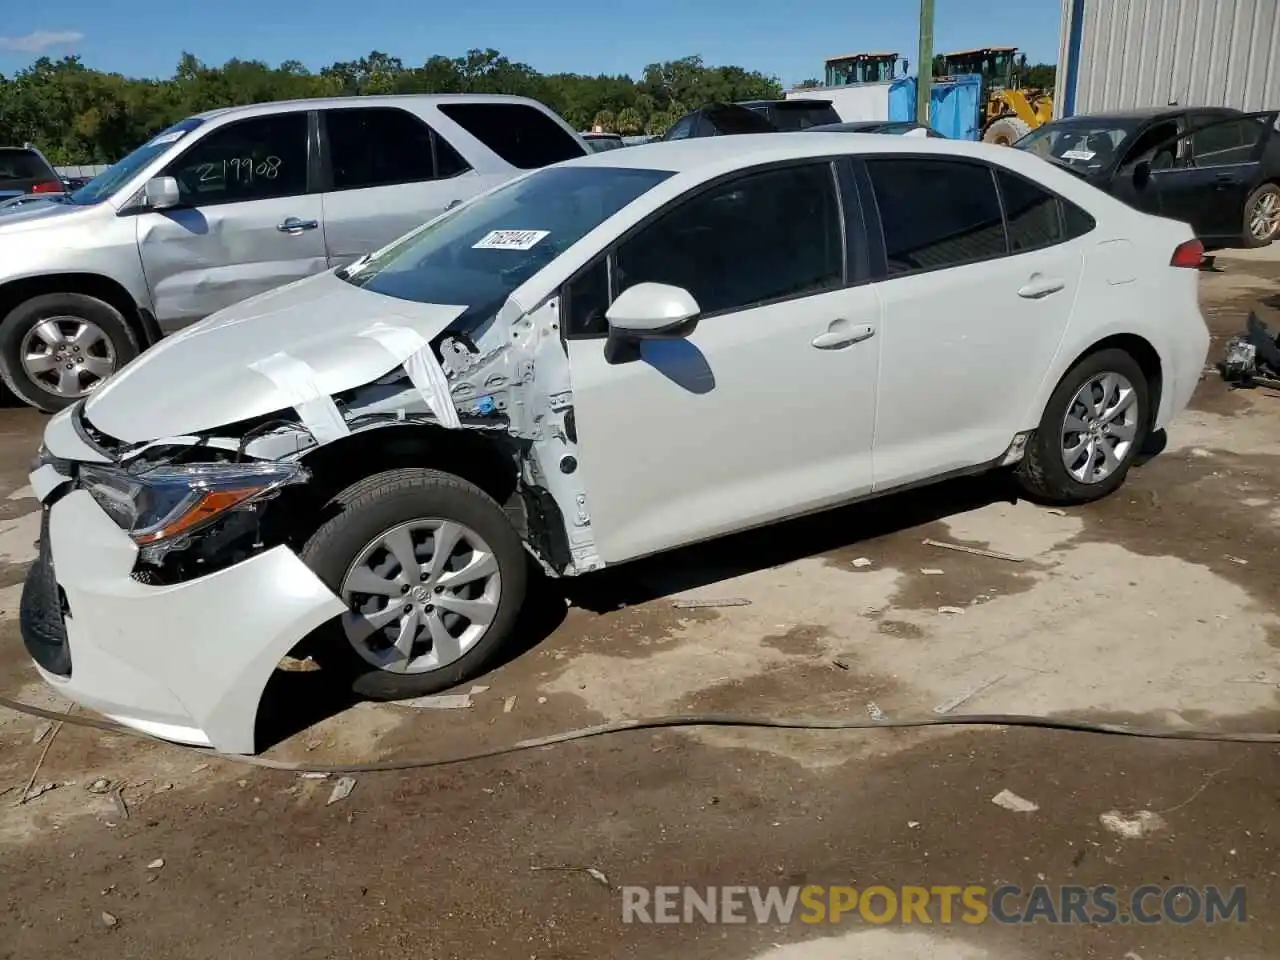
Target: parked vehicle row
x=779, y=116
x=1215, y=168
x=231, y=203
x=598, y=361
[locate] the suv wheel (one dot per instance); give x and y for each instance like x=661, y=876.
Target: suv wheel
x=433, y=574
x=1262, y=215
x=59, y=347
x=1091, y=431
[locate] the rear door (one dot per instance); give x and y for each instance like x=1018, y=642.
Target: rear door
x=385, y=171
x=248, y=221
x=1219, y=164
x=979, y=270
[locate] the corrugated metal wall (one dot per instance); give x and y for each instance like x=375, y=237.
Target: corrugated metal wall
x=1142, y=53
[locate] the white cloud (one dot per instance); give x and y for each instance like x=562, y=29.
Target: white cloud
x=40, y=41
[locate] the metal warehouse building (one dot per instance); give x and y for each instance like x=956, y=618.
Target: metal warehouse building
x=1118, y=54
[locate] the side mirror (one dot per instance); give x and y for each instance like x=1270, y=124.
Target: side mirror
x=1141, y=174
x=161, y=193
x=648, y=311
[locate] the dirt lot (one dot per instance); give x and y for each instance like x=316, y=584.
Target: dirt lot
x=1157, y=606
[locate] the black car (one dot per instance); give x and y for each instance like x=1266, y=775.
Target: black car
x=753, y=116
x=891, y=127
x=24, y=170
x=1214, y=168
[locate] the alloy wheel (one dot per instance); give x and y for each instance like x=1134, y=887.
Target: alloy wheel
x=67, y=356
x=1264, y=218
x=420, y=595
x=1099, y=428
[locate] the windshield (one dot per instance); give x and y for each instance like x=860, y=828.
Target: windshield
x=478, y=254
x=1080, y=145
x=118, y=174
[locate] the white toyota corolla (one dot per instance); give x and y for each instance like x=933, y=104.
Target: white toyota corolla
x=598, y=361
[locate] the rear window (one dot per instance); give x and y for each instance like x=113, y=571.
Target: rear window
x=22, y=165
x=522, y=135
x=802, y=116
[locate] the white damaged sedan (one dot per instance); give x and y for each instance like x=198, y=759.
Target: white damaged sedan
x=598, y=361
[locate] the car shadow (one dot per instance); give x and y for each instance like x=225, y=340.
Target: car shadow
x=294, y=701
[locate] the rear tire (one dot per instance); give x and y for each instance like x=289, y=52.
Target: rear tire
x=58, y=347
x=1262, y=216
x=424, y=508
x=1044, y=473
x=1006, y=131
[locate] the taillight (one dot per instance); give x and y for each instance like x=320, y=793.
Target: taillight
x=48, y=186
x=1189, y=254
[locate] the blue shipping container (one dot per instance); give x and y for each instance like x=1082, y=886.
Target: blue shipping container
x=953, y=105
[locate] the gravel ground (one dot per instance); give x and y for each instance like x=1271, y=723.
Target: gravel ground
x=1157, y=606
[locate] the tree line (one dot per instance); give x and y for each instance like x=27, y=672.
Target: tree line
x=76, y=114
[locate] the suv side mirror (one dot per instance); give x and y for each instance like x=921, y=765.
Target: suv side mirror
x=648, y=311
x=161, y=193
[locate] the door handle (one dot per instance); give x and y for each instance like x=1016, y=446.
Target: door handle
x=1226, y=178
x=845, y=337
x=1038, y=287
x=294, y=225
x=454, y=203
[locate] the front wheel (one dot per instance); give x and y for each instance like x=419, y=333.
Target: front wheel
x=433, y=575
x=58, y=347
x=1262, y=215
x=1092, y=429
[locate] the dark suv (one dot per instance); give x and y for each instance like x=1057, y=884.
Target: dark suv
x=24, y=170
x=753, y=116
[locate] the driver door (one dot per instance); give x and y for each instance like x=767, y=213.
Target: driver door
x=246, y=222
x=1220, y=164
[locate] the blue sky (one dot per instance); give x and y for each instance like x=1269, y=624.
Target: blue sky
x=141, y=38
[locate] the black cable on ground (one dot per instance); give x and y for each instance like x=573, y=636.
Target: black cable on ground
x=677, y=720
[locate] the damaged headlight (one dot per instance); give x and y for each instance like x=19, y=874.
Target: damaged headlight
x=170, y=501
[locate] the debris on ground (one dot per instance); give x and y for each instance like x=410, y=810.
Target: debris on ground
x=1011, y=801
x=931, y=571
x=976, y=551
x=26, y=791
x=314, y=776
x=341, y=790
x=913, y=824
x=41, y=731
x=874, y=711
x=862, y=562
x=446, y=701
x=1243, y=563
x=841, y=664
x=109, y=919
x=1144, y=823
x=951, y=610
x=1056, y=512
x=599, y=877
x=121, y=808
x=948, y=705
x=542, y=699
x=508, y=704
x=156, y=864
x=594, y=873
x=101, y=785
x=476, y=690
x=199, y=768
x=722, y=602
x=1252, y=358
x=32, y=792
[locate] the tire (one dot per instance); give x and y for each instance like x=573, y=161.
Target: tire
x=1006, y=131
x=1267, y=194
x=382, y=504
x=108, y=339
x=1043, y=473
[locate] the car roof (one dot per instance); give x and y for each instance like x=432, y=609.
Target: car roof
x=388, y=100
x=1141, y=113
x=711, y=155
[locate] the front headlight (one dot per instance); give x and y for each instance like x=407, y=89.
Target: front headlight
x=173, y=500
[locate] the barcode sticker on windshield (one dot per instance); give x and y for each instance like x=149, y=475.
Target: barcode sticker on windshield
x=511, y=240
x=1078, y=155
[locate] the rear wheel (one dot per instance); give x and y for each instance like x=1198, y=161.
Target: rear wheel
x=1006, y=131
x=1091, y=430
x=1262, y=215
x=433, y=575
x=59, y=347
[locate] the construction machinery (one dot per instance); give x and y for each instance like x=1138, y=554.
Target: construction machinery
x=862, y=68
x=1009, y=109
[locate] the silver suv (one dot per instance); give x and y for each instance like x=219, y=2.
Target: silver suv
x=234, y=202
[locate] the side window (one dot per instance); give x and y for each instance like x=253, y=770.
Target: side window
x=522, y=135
x=248, y=160
x=683, y=129
x=936, y=213
x=1224, y=143
x=378, y=146
x=759, y=237
x=586, y=300
x=1157, y=146
x=1076, y=222
x=1031, y=214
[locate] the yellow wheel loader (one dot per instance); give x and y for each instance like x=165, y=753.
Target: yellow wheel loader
x=1009, y=110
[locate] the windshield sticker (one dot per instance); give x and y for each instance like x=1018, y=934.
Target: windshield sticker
x=168, y=138
x=511, y=239
x=1079, y=155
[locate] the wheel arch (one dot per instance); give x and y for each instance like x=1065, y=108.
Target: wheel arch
x=18, y=291
x=1137, y=346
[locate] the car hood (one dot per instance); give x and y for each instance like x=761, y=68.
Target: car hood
x=28, y=215
x=203, y=377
